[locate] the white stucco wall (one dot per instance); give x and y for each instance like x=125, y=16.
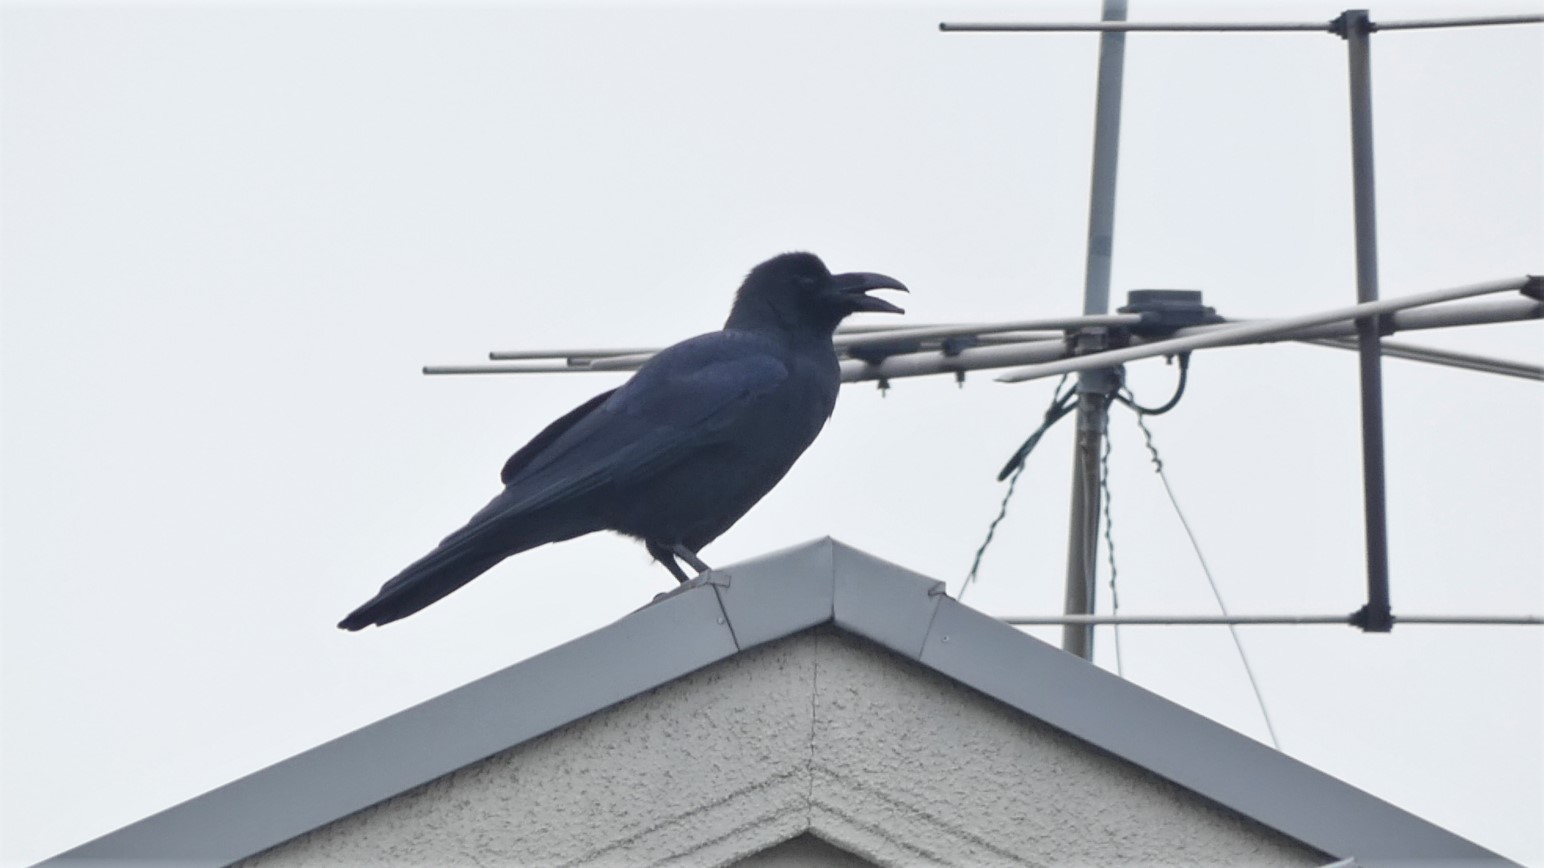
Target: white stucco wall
x=821, y=733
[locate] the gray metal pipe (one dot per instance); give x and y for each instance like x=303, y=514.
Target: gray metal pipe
x=1412, y=319
x=1261, y=330
x=862, y=335
x=1222, y=620
x=1447, y=358
x=1043, y=350
x=1224, y=26
x=1355, y=26
x=1134, y=26
x=956, y=330
x=1481, y=21
x=1095, y=386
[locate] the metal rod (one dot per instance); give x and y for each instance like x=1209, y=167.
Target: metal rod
x=999, y=338
x=973, y=359
x=1083, y=519
x=1479, y=313
x=857, y=336
x=1014, y=354
x=1260, y=331
x=1066, y=323
x=1222, y=620
x=1356, y=28
x=1135, y=26
x=1430, y=23
x=859, y=328
x=1094, y=386
x=1431, y=355
x=571, y=354
x=979, y=358
x=619, y=363
x=506, y=368
x=1009, y=355
x=1416, y=319
x=1224, y=26
x=1106, y=161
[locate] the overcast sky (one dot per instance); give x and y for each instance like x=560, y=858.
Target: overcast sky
x=233, y=232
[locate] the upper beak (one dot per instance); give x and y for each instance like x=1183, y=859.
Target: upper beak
x=852, y=286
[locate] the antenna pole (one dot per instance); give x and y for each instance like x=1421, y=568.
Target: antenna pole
x=1355, y=27
x=1094, y=387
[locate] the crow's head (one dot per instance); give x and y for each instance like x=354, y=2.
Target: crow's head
x=796, y=291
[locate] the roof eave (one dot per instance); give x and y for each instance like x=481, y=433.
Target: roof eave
x=748, y=604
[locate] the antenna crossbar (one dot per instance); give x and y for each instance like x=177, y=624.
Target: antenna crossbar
x=1256, y=332
x=1134, y=26
x=1299, y=620
x=574, y=356
x=1449, y=358
x=997, y=347
x=1225, y=26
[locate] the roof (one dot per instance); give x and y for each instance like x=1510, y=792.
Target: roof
x=818, y=584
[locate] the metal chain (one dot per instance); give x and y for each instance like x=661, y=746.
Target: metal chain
x=1018, y=462
x=1109, y=536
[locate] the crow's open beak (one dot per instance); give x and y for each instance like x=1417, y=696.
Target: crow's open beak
x=853, y=286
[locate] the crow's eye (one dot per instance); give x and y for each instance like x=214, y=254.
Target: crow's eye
x=806, y=281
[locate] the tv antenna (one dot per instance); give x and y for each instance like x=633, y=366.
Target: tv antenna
x=1095, y=345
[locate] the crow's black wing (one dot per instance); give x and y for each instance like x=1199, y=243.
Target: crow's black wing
x=683, y=400
x=541, y=441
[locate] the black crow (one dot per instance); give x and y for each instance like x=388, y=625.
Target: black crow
x=679, y=452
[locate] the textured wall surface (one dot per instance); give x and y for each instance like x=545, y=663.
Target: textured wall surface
x=821, y=733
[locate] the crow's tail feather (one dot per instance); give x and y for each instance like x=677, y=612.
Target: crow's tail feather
x=511, y=523
x=428, y=579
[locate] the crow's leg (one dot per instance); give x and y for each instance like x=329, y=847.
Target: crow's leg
x=690, y=557
x=666, y=557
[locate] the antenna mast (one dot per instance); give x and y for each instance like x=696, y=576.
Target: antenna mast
x=1097, y=343
x=1095, y=387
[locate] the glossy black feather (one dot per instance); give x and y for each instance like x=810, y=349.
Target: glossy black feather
x=678, y=453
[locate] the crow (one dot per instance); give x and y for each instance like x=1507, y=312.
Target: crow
x=678, y=453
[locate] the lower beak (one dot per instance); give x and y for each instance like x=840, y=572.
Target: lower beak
x=853, y=286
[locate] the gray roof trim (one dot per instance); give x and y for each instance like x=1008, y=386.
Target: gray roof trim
x=748, y=604
x=641, y=651
x=1194, y=752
